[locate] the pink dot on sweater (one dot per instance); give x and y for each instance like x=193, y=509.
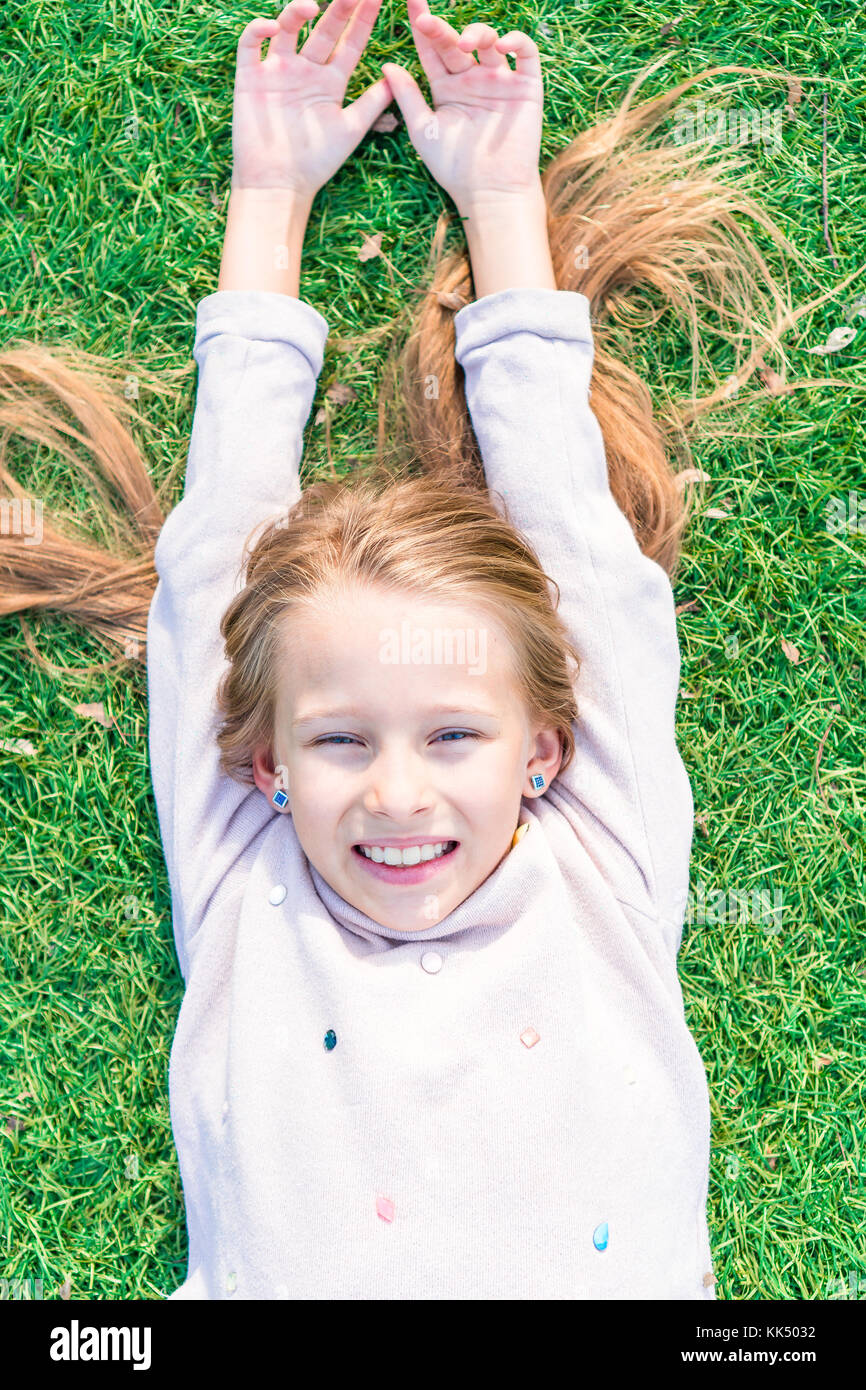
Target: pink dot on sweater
x=529, y=1037
x=385, y=1208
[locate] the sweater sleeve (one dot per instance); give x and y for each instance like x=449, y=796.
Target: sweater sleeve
x=259, y=355
x=527, y=358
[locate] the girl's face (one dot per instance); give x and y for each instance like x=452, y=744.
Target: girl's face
x=398, y=720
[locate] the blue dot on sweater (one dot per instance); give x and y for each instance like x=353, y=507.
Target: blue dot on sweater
x=599, y=1236
x=330, y=1040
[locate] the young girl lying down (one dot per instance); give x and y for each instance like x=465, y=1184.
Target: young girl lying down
x=412, y=732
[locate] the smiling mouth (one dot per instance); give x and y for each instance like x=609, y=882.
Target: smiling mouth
x=430, y=858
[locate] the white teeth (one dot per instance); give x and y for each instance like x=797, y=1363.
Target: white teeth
x=412, y=854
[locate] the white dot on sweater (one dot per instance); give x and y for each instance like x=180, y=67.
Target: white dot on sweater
x=277, y=894
x=432, y=962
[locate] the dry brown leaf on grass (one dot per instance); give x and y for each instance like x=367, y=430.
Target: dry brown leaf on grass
x=17, y=745
x=96, y=712
x=386, y=122
x=718, y=513
x=791, y=652
x=691, y=475
x=795, y=96
x=774, y=383
x=836, y=340
x=340, y=393
x=372, y=247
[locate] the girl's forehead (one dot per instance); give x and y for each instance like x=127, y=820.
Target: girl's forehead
x=397, y=682
x=394, y=657
x=364, y=603
x=372, y=633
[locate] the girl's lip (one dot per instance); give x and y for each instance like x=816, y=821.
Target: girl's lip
x=411, y=874
x=390, y=842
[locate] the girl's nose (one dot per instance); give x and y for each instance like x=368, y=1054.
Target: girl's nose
x=399, y=787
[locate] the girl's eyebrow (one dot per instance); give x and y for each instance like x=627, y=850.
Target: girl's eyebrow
x=352, y=712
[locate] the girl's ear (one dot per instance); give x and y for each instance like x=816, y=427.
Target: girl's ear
x=270, y=777
x=545, y=760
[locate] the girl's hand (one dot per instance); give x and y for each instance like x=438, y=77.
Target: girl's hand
x=290, y=130
x=484, y=139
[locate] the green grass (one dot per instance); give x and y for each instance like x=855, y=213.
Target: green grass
x=108, y=238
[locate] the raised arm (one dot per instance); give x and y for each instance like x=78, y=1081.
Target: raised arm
x=259, y=355
x=527, y=358
x=259, y=350
x=526, y=350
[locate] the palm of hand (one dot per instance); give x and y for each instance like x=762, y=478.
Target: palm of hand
x=289, y=126
x=485, y=132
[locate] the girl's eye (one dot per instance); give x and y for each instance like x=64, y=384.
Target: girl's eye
x=334, y=738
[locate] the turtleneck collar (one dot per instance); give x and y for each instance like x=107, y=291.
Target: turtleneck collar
x=496, y=903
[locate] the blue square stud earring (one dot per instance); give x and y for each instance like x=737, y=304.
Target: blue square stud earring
x=537, y=782
x=279, y=798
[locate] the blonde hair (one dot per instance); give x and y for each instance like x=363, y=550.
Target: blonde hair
x=622, y=213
